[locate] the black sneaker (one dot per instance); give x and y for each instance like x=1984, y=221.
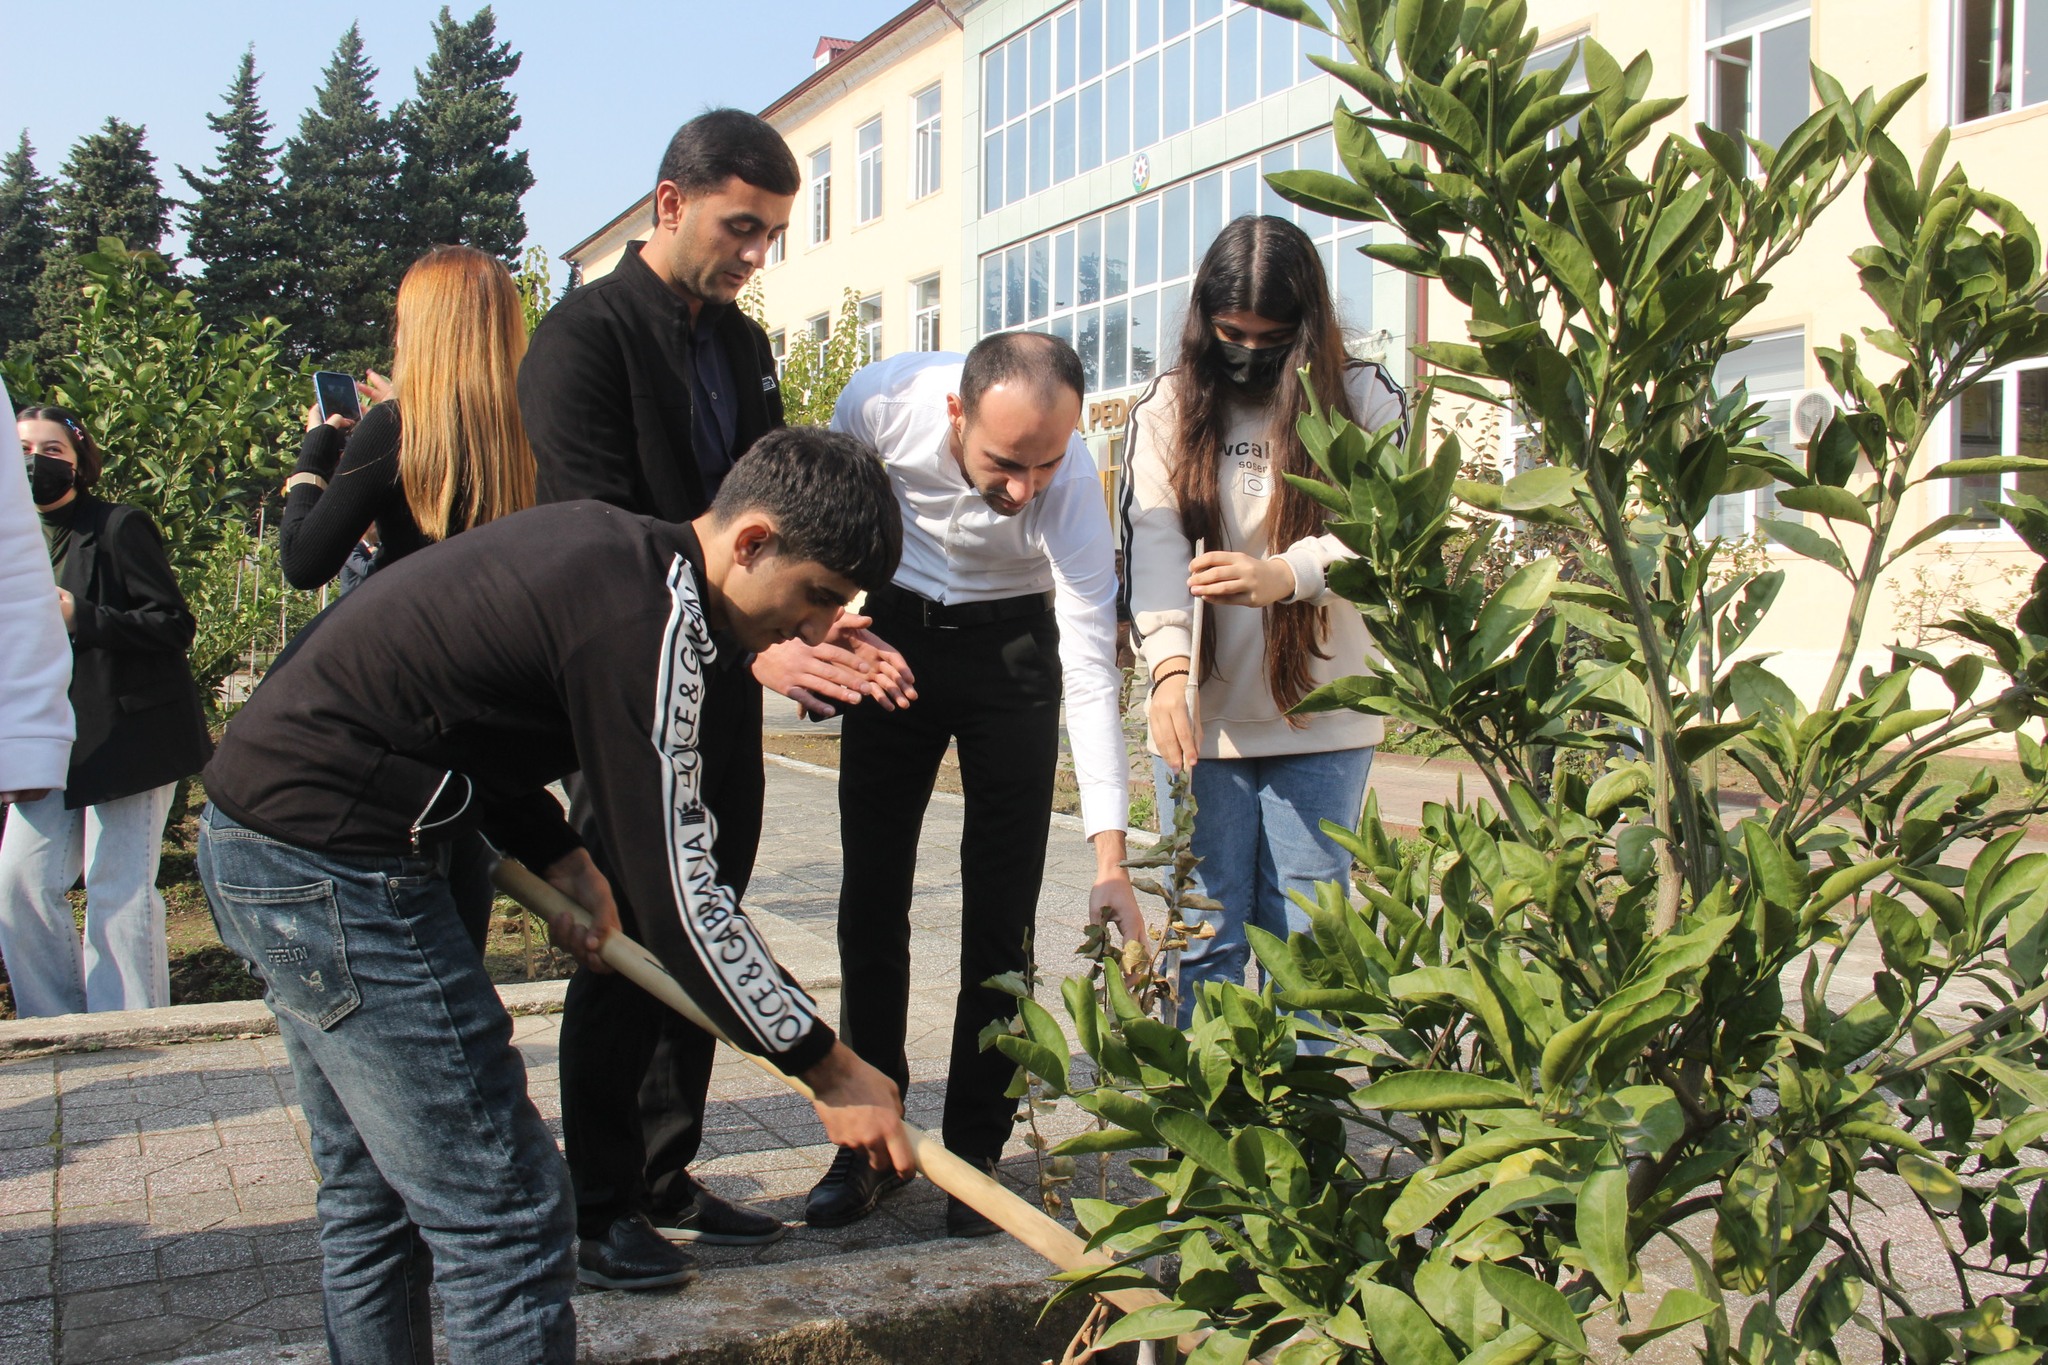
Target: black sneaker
x=718, y=1223
x=962, y=1220
x=632, y=1255
x=849, y=1191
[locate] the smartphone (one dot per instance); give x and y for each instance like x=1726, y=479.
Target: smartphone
x=336, y=393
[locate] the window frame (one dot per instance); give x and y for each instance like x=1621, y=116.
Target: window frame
x=925, y=317
x=869, y=312
x=1958, y=56
x=1753, y=34
x=821, y=197
x=1754, y=395
x=1997, y=531
x=867, y=173
x=927, y=169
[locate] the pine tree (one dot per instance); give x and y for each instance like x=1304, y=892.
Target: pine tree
x=109, y=189
x=461, y=183
x=341, y=218
x=235, y=224
x=25, y=234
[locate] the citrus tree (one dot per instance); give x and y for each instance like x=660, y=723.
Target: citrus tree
x=1600, y=1074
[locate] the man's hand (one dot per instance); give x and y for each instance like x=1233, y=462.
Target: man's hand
x=849, y=664
x=1177, y=734
x=1232, y=578
x=862, y=1109
x=576, y=876
x=67, y=607
x=1112, y=900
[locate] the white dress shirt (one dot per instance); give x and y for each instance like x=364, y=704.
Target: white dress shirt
x=956, y=548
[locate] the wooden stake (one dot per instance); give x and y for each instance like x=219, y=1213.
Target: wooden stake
x=967, y=1183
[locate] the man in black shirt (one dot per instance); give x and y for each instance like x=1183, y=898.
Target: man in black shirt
x=443, y=695
x=641, y=389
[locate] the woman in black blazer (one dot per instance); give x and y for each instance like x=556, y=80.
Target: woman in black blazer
x=141, y=728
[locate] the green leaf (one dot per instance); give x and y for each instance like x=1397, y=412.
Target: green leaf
x=1510, y=610
x=1603, y=1227
x=1987, y=464
x=1201, y=1143
x=1804, y=540
x=1836, y=504
x=1401, y=1332
x=1421, y=1092
x=1543, y=487
x=1153, y=1323
x=1535, y=1304
x=1933, y=1182
x=1677, y=1308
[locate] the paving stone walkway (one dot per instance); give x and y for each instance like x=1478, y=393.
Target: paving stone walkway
x=156, y=1203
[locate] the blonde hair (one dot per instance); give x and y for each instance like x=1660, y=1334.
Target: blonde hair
x=461, y=334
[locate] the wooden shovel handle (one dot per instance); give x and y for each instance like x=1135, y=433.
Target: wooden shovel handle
x=965, y=1182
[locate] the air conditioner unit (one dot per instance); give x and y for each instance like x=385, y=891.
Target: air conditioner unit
x=1810, y=412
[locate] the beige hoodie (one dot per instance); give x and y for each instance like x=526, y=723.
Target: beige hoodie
x=1239, y=716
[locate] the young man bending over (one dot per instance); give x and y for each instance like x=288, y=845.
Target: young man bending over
x=444, y=694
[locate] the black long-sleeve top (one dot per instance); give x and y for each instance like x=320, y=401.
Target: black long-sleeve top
x=606, y=393
x=564, y=637
x=321, y=526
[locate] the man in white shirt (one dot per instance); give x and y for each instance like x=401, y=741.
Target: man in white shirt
x=1007, y=590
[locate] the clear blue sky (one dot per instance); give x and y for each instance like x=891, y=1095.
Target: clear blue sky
x=603, y=84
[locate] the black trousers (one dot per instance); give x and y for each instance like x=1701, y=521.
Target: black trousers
x=995, y=690
x=634, y=1072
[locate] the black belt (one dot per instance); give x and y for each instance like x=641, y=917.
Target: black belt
x=900, y=604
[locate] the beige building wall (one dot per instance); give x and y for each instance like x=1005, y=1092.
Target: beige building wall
x=1880, y=43
x=884, y=250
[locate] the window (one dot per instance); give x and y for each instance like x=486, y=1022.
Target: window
x=867, y=141
x=924, y=308
x=2001, y=49
x=1774, y=368
x=1116, y=284
x=778, y=247
x=2003, y=415
x=1550, y=59
x=778, y=346
x=924, y=108
x=819, y=330
x=1758, y=82
x=821, y=195
x=1100, y=79
x=871, y=328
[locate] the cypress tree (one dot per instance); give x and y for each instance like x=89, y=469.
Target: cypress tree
x=109, y=188
x=25, y=234
x=341, y=217
x=461, y=182
x=234, y=226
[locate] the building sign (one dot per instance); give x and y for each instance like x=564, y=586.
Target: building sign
x=1108, y=414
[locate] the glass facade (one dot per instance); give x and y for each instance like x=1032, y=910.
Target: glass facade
x=1115, y=284
x=1098, y=80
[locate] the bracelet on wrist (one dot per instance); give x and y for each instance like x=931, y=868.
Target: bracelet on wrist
x=304, y=477
x=1170, y=673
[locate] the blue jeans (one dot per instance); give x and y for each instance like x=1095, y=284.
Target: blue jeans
x=1258, y=832
x=433, y=1162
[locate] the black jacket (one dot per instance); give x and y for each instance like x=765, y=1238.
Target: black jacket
x=605, y=394
x=452, y=687
x=140, y=721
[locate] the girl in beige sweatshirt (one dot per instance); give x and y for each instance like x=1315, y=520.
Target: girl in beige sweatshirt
x=1208, y=445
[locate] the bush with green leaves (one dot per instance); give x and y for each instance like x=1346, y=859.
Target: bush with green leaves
x=198, y=426
x=1595, y=1017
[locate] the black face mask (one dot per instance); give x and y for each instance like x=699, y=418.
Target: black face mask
x=1253, y=369
x=50, y=478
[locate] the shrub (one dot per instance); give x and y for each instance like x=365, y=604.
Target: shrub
x=1568, y=1001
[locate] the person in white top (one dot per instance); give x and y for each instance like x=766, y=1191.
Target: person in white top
x=1210, y=442
x=35, y=667
x=1007, y=591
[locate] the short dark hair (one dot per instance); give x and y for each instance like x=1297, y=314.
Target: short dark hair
x=719, y=144
x=90, y=460
x=1044, y=361
x=830, y=497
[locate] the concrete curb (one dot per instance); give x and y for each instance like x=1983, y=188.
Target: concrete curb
x=199, y=1023
x=966, y=1303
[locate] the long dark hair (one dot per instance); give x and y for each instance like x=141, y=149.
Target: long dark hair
x=1266, y=266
